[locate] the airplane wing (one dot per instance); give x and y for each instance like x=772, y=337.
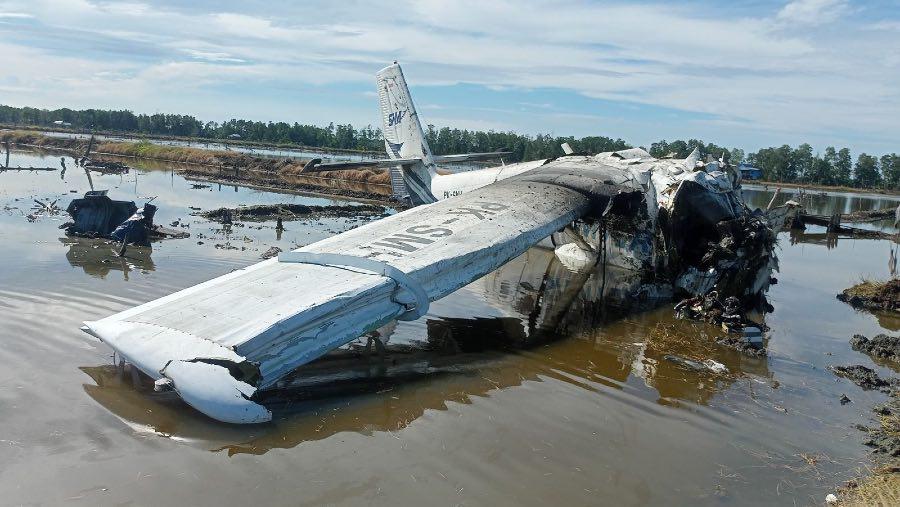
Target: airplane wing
x=220, y=341
x=316, y=165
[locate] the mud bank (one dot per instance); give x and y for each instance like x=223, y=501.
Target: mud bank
x=865, y=378
x=326, y=186
x=287, y=212
x=223, y=166
x=879, y=347
x=882, y=485
x=873, y=295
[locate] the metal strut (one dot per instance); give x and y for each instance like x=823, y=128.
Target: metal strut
x=342, y=261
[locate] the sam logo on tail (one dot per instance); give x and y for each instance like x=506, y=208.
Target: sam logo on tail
x=395, y=118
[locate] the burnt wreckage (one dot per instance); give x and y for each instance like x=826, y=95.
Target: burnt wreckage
x=681, y=223
x=96, y=215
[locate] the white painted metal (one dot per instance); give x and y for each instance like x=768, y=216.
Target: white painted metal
x=420, y=298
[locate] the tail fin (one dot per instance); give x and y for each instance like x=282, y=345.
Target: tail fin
x=403, y=134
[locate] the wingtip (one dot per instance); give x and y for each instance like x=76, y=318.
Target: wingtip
x=212, y=390
x=87, y=329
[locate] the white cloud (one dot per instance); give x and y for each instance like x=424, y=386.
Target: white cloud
x=213, y=56
x=892, y=26
x=813, y=12
x=751, y=70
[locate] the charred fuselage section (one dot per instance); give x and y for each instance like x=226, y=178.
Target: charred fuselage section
x=682, y=224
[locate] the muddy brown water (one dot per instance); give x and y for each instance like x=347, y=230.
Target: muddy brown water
x=475, y=404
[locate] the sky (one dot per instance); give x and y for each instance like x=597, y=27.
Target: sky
x=740, y=74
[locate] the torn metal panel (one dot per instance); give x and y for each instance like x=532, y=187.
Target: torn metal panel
x=97, y=215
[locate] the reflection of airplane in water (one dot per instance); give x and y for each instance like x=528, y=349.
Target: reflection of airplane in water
x=525, y=308
x=97, y=257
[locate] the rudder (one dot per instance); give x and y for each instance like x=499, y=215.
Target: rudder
x=403, y=134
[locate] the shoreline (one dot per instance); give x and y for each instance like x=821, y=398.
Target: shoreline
x=826, y=188
x=277, y=174
x=221, y=158
x=199, y=141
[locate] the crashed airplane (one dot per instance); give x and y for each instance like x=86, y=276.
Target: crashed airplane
x=679, y=223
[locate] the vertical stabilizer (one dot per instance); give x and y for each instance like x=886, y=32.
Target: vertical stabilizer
x=691, y=161
x=403, y=134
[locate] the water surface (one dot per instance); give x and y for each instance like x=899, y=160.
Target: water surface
x=474, y=404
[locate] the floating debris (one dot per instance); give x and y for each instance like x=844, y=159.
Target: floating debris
x=271, y=252
x=744, y=344
x=744, y=335
x=106, y=167
x=708, y=365
x=41, y=207
x=97, y=216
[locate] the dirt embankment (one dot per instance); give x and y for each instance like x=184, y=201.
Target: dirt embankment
x=879, y=347
x=881, y=486
x=288, y=174
x=873, y=295
x=225, y=166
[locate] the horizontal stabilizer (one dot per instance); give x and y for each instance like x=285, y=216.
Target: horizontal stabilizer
x=470, y=157
x=315, y=165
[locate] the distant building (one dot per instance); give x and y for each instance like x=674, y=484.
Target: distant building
x=61, y=123
x=748, y=172
x=235, y=136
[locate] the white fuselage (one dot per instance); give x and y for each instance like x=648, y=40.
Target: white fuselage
x=451, y=185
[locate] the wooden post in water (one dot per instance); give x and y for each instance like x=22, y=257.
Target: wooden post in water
x=6, y=143
x=774, y=196
x=834, y=225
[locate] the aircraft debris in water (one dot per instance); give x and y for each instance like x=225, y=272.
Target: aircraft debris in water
x=679, y=223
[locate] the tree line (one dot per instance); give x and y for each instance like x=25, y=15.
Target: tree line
x=801, y=164
x=780, y=164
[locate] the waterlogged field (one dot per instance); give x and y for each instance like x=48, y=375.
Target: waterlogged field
x=475, y=404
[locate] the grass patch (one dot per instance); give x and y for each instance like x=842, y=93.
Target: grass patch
x=873, y=295
x=249, y=167
x=869, y=289
x=880, y=488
